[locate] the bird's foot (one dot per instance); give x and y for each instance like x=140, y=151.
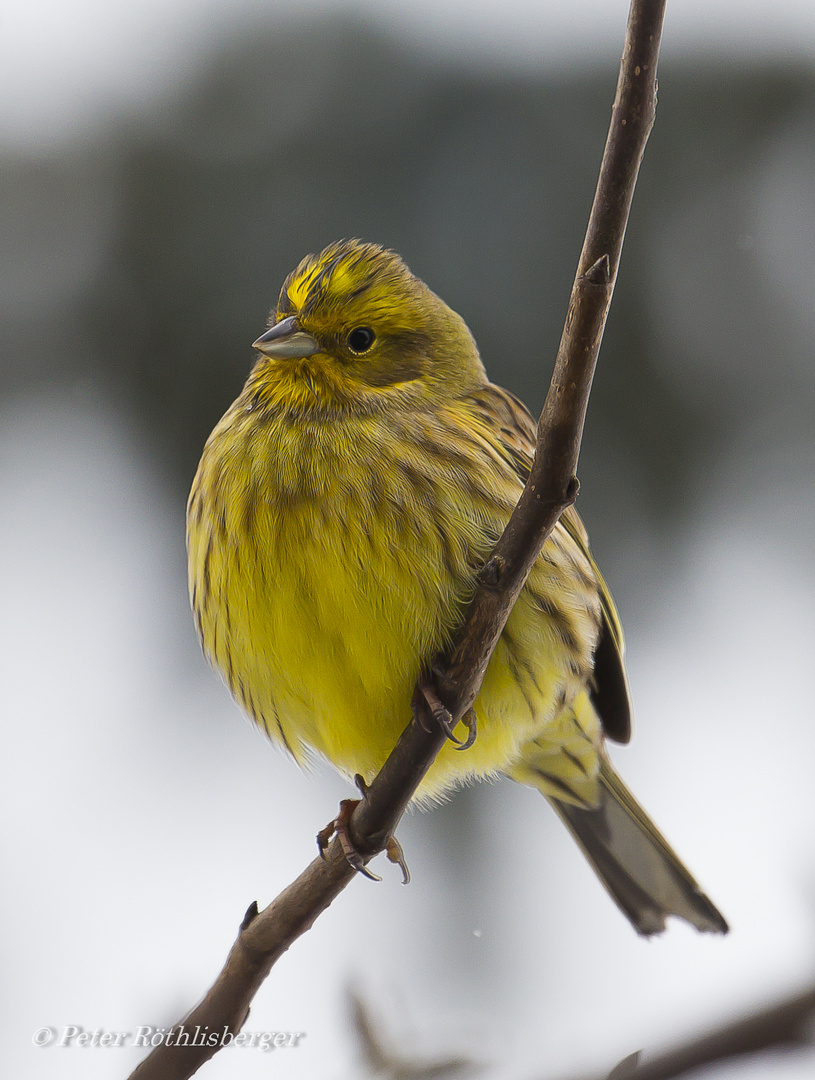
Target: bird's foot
x=441, y=714
x=339, y=828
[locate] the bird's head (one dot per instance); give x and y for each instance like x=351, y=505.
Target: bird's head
x=355, y=331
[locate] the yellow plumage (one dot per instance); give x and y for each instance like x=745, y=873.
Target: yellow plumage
x=341, y=510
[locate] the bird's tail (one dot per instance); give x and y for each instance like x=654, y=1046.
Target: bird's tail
x=640, y=870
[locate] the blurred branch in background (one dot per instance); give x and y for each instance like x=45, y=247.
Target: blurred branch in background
x=384, y=1059
x=551, y=487
x=788, y=1025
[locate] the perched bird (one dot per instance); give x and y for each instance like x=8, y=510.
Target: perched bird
x=335, y=527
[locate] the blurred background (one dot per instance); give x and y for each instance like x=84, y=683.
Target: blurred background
x=164, y=166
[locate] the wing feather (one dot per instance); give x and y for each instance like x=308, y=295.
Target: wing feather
x=509, y=419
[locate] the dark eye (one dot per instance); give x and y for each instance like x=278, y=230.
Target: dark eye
x=361, y=339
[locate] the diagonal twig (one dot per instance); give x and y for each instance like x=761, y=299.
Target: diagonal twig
x=552, y=486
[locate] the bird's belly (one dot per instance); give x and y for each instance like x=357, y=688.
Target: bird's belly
x=322, y=624
x=336, y=667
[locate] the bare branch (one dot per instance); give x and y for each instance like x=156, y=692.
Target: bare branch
x=552, y=486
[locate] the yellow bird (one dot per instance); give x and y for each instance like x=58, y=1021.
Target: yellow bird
x=335, y=527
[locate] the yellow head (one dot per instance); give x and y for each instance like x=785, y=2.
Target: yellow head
x=355, y=331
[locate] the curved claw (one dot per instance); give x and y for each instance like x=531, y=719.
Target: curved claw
x=471, y=723
x=396, y=855
x=441, y=714
x=445, y=722
x=418, y=701
x=355, y=859
x=324, y=838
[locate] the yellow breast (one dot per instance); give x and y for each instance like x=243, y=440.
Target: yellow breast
x=330, y=561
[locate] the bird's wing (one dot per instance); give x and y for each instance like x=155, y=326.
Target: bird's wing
x=509, y=419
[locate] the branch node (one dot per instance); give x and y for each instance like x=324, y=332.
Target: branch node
x=492, y=571
x=572, y=491
x=250, y=916
x=599, y=273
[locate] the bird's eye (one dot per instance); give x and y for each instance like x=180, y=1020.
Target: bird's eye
x=361, y=339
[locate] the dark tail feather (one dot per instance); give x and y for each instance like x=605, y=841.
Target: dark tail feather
x=644, y=877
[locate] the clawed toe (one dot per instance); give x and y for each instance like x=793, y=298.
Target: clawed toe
x=470, y=722
x=397, y=856
x=339, y=828
x=441, y=714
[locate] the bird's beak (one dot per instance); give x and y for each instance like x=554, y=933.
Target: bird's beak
x=286, y=341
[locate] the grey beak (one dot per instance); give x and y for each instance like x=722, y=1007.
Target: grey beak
x=286, y=341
